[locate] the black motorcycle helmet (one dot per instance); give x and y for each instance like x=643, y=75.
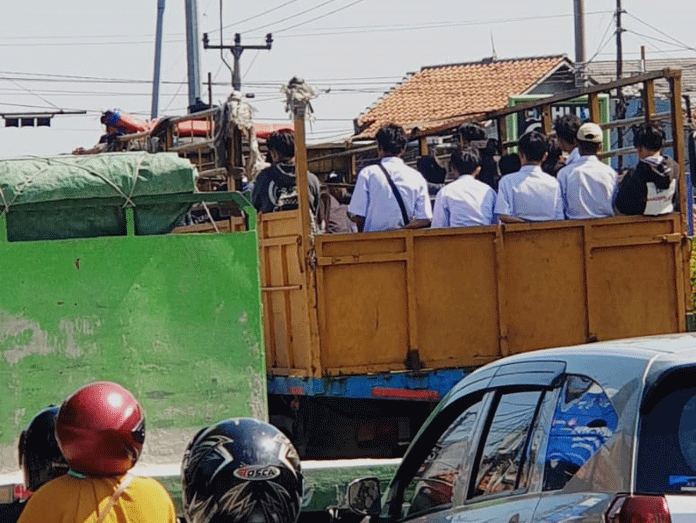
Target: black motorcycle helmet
x=39, y=456
x=241, y=470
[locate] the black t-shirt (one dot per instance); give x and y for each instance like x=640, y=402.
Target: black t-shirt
x=10, y=512
x=275, y=184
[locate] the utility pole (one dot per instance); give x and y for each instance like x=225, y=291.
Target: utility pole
x=619, y=48
x=158, y=60
x=237, y=49
x=621, y=102
x=193, y=60
x=579, y=10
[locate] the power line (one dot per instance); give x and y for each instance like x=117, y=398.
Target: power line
x=29, y=91
x=81, y=41
x=253, y=17
x=686, y=46
x=69, y=78
x=75, y=37
x=657, y=49
x=602, y=42
x=175, y=95
x=256, y=55
x=29, y=106
x=292, y=16
x=637, y=53
x=358, y=84
x=328, y=31
x=320, y=16
x=77, y=92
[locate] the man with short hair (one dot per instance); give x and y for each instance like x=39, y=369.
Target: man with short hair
x=433, y=173
x=335, y=206
x=275, y=187
x=387, y=191
x=472, y=134
x=566, y=128
x=588, y=186
x=651, y=187
x=465, y=202
x=529, y=195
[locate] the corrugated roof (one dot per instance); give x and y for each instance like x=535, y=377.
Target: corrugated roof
x=443, y=95
x=602, y=72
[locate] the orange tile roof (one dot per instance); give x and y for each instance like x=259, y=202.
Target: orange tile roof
x=440, y=96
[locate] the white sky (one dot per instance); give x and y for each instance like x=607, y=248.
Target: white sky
x=356, y=48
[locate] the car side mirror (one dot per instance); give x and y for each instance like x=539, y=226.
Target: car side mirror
x=363, y=496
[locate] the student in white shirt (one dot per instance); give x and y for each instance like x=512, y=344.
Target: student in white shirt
x=566, y=128
x=529, y=195
x=374, y=205
x=465, y=202
x=588, y=185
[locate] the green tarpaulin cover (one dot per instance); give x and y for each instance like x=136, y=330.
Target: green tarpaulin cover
x=79, y=178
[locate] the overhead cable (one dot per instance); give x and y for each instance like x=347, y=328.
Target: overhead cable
x=239, y=22
x=319, y=17
x=314, y=8
x=686, y=46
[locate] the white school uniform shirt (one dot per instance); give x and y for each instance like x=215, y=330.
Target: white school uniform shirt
x=374, y=199
x=530, y=194
x=588, y=187
x=573, y=157
x=465, y=202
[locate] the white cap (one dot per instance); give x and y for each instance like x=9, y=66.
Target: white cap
x=590, y=132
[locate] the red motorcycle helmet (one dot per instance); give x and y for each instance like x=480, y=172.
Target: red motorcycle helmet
x=100, y=429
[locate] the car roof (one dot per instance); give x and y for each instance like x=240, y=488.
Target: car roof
x=676, y=349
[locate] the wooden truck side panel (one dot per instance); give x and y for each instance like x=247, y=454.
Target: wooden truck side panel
x=459, y=298
x=463, y=297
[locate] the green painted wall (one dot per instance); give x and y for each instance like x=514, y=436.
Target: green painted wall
x=175, y=318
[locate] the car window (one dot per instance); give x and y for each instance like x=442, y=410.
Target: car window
x=667, y=445
x=583, y=421
x=504, y=455
x=433, y=485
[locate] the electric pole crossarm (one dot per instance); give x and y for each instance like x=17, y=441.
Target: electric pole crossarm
x=237, y=49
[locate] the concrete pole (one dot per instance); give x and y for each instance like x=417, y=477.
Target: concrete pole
x=579, y=9
x=619, y=46
x=158, y=60
x=621, y=108
x=192, y=55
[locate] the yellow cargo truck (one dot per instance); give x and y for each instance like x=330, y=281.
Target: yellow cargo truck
x=364, y=332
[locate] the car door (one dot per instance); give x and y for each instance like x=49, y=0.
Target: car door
x=427, y=493
x=583, y=421
x=454, y=421
x=474, y=460
x=501, y=486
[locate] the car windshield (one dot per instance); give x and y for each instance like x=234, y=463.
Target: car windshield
x=667, y=444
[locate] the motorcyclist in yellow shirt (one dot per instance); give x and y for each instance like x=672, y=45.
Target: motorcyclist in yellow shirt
x=100, y=429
